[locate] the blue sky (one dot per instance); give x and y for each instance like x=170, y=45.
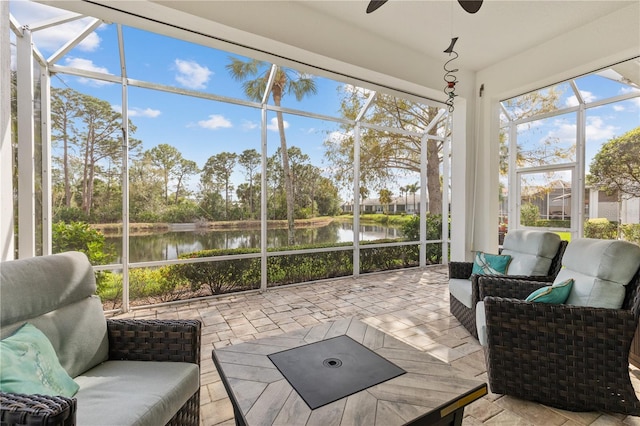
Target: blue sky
x=200, y=128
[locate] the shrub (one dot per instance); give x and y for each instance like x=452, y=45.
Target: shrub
x=69, y=214
x=529, y=214
x=631, y=232
x=79, y=236
x=600, y=228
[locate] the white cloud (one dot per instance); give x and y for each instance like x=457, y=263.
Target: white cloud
x=191, y=74
x=585, y=95
x=273, y=124
x=563, y=131
x=215, y=121
x=146, y=112
x=336, y=137
x=597, y=130
x=87, y=64
x=249, y=125
x=618, y=108
x=51, y=39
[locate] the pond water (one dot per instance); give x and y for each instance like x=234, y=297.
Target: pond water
x=170, y=245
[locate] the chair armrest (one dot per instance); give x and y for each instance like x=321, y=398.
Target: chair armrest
x=460, y=270
x=154, y=340
x=509, y=287
x=541, y=327
x=19, y=409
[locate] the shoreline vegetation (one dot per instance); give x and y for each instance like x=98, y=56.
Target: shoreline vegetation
x=136, y=229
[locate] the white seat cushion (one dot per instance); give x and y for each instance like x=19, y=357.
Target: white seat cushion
x=481, y=324
x=141, y=393
x=460, y=288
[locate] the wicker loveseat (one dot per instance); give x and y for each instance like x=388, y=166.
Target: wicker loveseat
x=572, y=355
x=536, y=255
x=129, y=372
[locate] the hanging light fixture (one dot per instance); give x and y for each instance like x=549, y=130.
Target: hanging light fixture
x=449, y=76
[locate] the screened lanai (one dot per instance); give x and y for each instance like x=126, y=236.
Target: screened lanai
x=381, y=63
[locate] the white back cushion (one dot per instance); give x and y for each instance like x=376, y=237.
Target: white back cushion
x=600, y=269
x=531, y=251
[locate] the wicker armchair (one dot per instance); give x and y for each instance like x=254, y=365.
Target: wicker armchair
x=55, y=293
x=462, y=270
x=566, y=356
x=133, y=340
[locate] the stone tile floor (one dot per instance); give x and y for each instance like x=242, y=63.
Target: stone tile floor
x=412, y=305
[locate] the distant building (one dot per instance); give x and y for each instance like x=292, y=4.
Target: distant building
x=398, y=205
x=555, y=203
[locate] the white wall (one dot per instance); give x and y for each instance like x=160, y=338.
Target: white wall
x=611, y=39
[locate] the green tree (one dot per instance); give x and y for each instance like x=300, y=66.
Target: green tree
x=385, y=199
x=219, y=168
x=616, y=167
x=255, y=76
x=529, y=214
x=184, y=170
x=249, y=159
x=92, y=141
x=412, y=189
x=166, y=159
x=383, y=153
x=64, y=110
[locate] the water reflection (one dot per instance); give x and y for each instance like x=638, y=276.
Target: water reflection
x=170, y=245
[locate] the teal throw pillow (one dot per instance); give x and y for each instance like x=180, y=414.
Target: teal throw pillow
x=490, y=264
x=30, y=365
x=557, y=293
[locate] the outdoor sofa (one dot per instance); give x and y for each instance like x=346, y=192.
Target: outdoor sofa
x=129, y=371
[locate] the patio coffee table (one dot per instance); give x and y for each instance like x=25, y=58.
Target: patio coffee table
x=341, y=373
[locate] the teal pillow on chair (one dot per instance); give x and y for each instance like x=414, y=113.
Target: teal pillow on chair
x=557, y=293
x=30, y=365
x=490, y=264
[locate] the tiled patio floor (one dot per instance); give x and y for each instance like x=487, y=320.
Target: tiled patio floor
x=411, y=305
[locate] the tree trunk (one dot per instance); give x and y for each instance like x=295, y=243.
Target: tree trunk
x=288, y=179
x=433, y=177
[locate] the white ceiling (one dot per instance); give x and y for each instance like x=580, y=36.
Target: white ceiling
x=499, y=30
x=399, y=45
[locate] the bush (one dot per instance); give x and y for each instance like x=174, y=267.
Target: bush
x=69, y=214
x=79, y=236
x=529, y=214
x=221, y=276
x=411, y=230
x=631, y=232
x=600, y=228
x=185, y=212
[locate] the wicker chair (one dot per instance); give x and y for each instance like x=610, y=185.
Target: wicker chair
x=566, y=356
x=68, y=278
x=462, y=270
x=174, y=340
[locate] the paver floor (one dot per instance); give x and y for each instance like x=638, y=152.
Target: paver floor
x=412, y=305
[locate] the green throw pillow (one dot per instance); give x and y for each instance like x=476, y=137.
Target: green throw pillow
x=493, y=264
x=30, y=365
x=557, y=293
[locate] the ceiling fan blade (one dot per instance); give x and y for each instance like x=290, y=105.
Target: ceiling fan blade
x=374, y=5
x=471, y=6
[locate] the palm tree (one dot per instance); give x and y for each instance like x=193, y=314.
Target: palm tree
x=413, y=188
x=255, y=76
x=403, y=191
